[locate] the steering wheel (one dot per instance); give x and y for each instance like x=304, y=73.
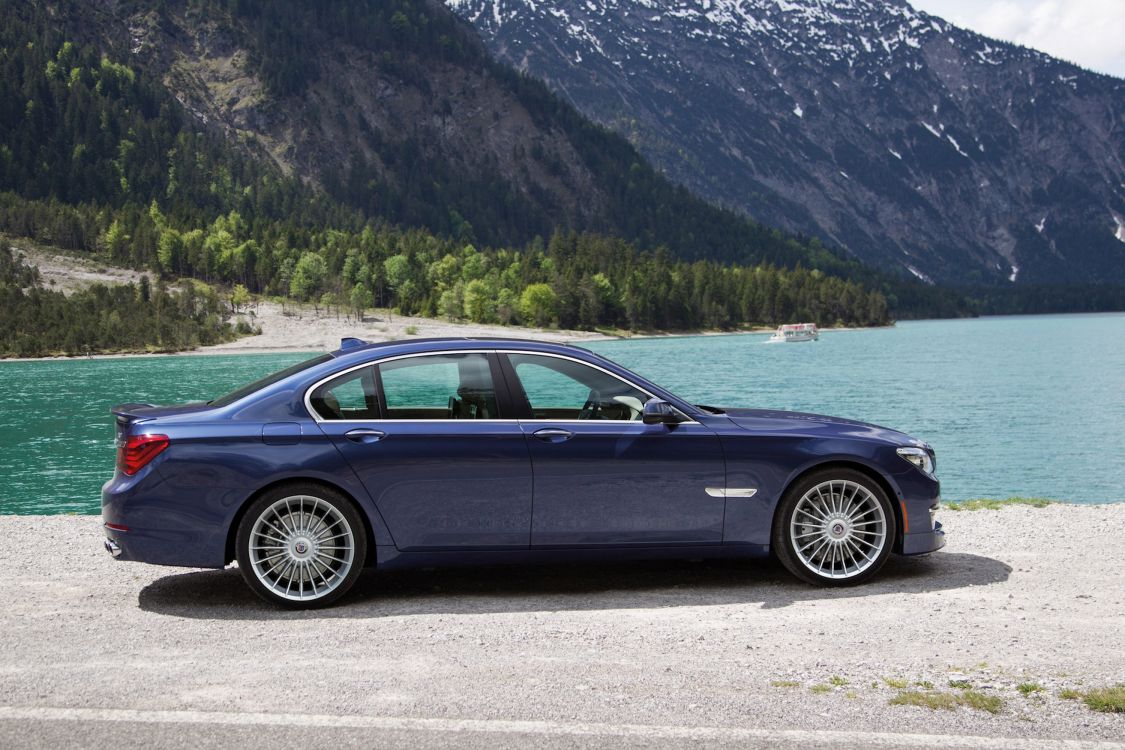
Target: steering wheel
x=593, y=407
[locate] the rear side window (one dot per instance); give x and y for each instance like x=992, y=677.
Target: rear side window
x=439, y=386
x=351, y=396
x=269, y=380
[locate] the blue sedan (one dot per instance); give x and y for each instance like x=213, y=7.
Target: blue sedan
x=461, y=451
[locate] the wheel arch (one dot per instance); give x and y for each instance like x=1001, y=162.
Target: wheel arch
x=229, y=551
x=871, y=473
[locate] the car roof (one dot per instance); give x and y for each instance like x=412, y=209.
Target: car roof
x=351, y=346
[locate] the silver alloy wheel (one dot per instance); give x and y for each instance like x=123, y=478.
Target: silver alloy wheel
x=301, y=548
x=838, y=529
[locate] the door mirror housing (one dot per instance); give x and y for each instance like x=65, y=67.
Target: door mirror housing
x=657, y=411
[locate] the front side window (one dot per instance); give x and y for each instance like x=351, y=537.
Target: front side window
x=439, y=386
x=564, y=389
x=350, y=396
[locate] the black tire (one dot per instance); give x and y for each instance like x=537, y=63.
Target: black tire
x=326, y=524
x=856, y=538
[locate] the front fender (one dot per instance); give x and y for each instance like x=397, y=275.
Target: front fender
x=770, y=465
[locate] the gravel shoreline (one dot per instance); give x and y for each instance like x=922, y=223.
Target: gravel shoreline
x=1020, y=595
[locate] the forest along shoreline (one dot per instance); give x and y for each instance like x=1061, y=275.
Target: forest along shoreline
x=294, y=328
x=288, y=326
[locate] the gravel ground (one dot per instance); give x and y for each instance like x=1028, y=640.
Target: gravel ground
x=674, y=654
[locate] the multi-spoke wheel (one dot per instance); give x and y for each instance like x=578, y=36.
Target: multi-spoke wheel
x=834, y=528
x=301, y=546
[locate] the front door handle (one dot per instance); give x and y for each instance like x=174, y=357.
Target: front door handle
x=553, y=435
x=365, y=435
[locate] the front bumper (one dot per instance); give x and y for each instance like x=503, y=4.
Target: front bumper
x=923, y=542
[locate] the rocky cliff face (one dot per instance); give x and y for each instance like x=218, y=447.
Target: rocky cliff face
x=400, y=132
x=916, y=145
x=397, y=109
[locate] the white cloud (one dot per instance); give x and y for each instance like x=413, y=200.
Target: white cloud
x=1090, y=33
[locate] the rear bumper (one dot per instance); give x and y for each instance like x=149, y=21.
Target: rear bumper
x=153, y=526
x=160, y=548
x=926, y=541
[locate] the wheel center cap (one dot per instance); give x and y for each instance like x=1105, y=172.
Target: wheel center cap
x=838, y=529
x=301, y=547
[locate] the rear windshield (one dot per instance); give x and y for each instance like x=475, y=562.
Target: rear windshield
x=268, y=380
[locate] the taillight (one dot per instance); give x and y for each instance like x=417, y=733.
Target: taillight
x=137, y=450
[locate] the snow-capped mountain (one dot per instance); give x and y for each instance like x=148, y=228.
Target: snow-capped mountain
x=915, y=144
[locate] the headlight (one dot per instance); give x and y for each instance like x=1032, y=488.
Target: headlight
x=920, y=458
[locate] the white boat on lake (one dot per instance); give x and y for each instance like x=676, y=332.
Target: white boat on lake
x=795, y=332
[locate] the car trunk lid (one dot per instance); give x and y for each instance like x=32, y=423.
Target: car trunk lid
x=127, y=415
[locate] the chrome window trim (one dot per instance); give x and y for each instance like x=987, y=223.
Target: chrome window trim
x=375, y=362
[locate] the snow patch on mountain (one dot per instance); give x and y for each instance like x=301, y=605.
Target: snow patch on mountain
x=722, y=94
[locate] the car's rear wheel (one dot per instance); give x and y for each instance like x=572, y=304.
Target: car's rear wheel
x=301, y=546
x=835, y=527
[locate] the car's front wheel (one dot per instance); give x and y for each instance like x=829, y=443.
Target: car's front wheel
x=301, y=546
x=834, y=527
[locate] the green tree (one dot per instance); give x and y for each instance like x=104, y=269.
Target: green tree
x=538, y=304
x=239, y=297
x=399, y=279
x=115, y=239
x=361, y=298
x=169, y=251
x=308, y=277
x=480, y=302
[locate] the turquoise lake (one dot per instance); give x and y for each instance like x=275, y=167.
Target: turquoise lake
x=1028, y=405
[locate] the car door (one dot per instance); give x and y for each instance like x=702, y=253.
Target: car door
x=602, y=476
x=426, y=436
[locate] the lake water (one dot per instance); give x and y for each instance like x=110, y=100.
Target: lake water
x=1030, y=405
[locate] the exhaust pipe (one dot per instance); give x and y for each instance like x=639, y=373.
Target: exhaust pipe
x=113, y=548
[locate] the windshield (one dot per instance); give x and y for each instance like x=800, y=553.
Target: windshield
x=258, y=385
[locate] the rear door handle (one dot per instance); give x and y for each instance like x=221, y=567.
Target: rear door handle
x=365, y=435
x=553, y=435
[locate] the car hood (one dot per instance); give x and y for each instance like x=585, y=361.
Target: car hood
x=815, y=425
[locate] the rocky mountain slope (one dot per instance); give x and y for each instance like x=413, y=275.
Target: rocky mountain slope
x=396, y=108
x=917, y=145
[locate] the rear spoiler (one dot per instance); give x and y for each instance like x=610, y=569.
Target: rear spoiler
x=128, y=413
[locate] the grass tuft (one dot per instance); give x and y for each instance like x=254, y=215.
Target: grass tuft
x=837, y=681
x=896, y=683
x=981, y=702
x=925, y=684
x=1070, y=694
x=960, y=684
x=934, y=701
x=1027, y=688
x=1109, y=700
x=821, y=688
x=988, y=503
x=948, y=701
x=785, y=684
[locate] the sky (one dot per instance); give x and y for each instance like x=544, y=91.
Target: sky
x=1090, y=33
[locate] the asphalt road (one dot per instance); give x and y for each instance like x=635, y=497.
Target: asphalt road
x=99, y=653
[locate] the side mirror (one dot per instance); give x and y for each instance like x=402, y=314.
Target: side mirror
x=659, y=412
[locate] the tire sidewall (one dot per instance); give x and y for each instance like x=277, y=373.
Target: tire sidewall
x=782, y=542
x=346, y=508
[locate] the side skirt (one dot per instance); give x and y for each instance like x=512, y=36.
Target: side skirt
x=390, y=558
